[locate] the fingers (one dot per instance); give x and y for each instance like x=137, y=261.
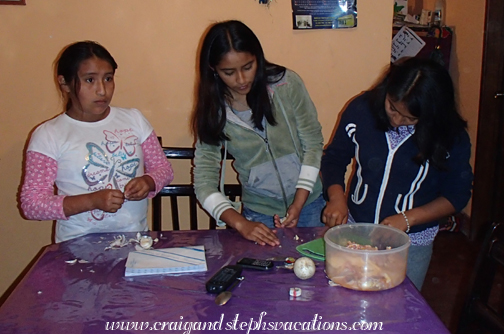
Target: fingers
x=290, y=224
x=137, y=189
x=109, y=200
x=396, y=221
x=333, y=218
x=288, y=221
x=278, y=221
x=264, y=236
x=259, y=233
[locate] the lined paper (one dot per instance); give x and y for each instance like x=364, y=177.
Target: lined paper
x=166, y=261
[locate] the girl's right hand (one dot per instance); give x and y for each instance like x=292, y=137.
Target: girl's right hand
x=254, y=231
x=108, y=200
x=336, y=210
x=335, y=213
x=257, y=232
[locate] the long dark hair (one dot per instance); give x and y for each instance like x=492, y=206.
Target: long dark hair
x=427, y=90
x=209, y=117
x=70, y=59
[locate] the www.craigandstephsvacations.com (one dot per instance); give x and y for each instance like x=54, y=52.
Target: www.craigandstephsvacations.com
x=247, y=326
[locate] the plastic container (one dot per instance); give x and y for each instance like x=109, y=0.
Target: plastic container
x=366, y=270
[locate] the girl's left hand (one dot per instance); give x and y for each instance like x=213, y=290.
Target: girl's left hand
x=396, y=221
x=138, y=188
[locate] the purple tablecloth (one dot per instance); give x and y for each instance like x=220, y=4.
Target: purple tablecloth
x=94, y=297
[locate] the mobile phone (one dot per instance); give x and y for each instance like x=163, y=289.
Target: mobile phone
x=223, y=278
x=250, y=263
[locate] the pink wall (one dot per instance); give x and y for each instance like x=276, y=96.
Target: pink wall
x=155, y=43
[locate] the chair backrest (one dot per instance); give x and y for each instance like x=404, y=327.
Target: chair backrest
x=174, y=191
x=480, y=309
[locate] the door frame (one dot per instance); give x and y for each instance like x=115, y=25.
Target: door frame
x=488, y=186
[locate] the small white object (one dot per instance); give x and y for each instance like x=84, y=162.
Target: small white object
x=146, y=242
x=426, y=17
x=411, y=19
x=118, y=242
x=331, y=283
x=295, y=292
x=74, y=261
x=304, y=267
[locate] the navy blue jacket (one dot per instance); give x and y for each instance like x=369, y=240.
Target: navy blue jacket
x=385, y=182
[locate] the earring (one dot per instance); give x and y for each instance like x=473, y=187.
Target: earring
x=216, y=76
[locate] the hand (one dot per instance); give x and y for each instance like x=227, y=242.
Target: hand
x=257, y=232
x=335, y=213
x=396, y=221
x=291, y=218
x=279, y=221
x=108, y=200
x=138, y=188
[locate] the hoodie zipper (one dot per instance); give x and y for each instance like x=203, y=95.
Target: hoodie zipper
x=268, y=149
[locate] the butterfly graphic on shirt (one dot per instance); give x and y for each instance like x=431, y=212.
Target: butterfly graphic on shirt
x=105, y=171
x=114, y=143
x=102, y=168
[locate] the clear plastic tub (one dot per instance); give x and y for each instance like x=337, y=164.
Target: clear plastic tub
x=367, y=270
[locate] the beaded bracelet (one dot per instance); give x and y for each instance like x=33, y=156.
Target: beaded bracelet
x=407, y=221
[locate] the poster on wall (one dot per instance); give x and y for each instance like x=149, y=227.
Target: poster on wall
x=324, y=14
x=405, y=44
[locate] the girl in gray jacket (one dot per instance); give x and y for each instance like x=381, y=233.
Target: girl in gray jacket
x=263, y=115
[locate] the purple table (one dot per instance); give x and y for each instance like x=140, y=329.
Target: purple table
x=57, y=297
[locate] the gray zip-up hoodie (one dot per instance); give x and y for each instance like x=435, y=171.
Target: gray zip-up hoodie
x=269, y=169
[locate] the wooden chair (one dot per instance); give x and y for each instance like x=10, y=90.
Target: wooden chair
x=478, y=310
x=174, y=191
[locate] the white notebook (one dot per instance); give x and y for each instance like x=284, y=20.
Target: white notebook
x=166, y=261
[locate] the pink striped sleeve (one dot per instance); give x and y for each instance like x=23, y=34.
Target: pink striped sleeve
x=156, y=164
x=38, y=200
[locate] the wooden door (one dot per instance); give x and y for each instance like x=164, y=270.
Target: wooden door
x=488, y=189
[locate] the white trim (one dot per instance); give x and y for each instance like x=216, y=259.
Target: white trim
x=386, y=174
x=415, y=186
x=216, y=204
x=351, y=128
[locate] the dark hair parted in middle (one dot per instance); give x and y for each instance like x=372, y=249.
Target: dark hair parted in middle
x=71, y=58
x=426, y=88
x=209, y=116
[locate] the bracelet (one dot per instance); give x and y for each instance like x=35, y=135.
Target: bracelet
x=407, y=221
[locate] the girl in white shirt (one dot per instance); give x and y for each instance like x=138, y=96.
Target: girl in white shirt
x=104, y=161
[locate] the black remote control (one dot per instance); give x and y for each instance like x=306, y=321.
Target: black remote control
x=255, y=264
x=222, y=279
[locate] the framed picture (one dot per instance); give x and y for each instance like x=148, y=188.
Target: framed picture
x=13, y=2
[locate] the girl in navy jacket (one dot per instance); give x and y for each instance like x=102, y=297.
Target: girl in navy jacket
x=411, y=152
